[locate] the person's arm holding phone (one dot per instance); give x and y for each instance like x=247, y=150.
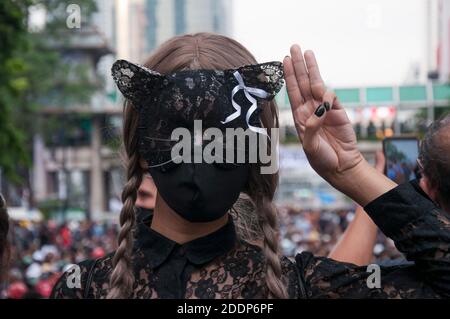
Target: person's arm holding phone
x=356, y=244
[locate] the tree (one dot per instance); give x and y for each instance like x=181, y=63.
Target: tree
x=13, y=39
x=35, y=73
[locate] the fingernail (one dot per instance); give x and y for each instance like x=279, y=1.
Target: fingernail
x=327, y=106
x=320, y=110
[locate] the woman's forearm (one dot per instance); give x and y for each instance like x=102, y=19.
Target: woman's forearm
x=356, y=244
x=362, y=183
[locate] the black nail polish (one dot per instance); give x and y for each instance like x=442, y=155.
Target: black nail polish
x=327, y=106
x=320, y=110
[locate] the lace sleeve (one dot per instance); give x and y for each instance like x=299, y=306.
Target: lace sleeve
x=72, y=283
x=420, y=230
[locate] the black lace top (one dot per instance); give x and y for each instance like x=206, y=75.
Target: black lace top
x=222, y=266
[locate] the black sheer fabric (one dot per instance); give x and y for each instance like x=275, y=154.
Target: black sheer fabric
x=218, y=265
x=176, y=100
x=222, y=266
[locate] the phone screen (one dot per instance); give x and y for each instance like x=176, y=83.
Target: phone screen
x=401, y=158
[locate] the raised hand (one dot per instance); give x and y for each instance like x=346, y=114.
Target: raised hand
x=326, y=133
x=322, y=125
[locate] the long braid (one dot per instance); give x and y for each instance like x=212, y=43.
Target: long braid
x=269, y=227
x=122, y=278
x=268, y=214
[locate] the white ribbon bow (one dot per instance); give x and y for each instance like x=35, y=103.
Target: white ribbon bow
x=247, y=90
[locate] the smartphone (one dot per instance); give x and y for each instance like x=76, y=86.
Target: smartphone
x=401, y=155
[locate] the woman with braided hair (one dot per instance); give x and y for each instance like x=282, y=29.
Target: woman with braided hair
x=189, y=246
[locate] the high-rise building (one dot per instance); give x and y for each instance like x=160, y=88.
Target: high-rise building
x=130, y=29
x=167, y=18
x=142, y=25
x=438, y=39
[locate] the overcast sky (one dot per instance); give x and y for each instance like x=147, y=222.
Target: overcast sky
x=357, y=42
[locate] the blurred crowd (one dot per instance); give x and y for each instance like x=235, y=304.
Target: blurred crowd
x=318, y=232
x=42, y=251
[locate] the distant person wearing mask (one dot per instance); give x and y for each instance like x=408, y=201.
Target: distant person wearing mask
x=146, y=197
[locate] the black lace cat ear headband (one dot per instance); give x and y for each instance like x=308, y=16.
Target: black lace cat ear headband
x=221, y=99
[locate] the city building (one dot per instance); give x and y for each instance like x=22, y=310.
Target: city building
x=438, y=40
x=167, y=18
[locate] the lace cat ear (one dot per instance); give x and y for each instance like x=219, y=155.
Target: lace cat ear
x=136, y=82
x=267, y=76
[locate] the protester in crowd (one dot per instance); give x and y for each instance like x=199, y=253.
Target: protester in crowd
x=434, y=162
x=190, y=236
x=146, y=197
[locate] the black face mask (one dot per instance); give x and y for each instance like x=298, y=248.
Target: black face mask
x=142, y=213
x=200, y=192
